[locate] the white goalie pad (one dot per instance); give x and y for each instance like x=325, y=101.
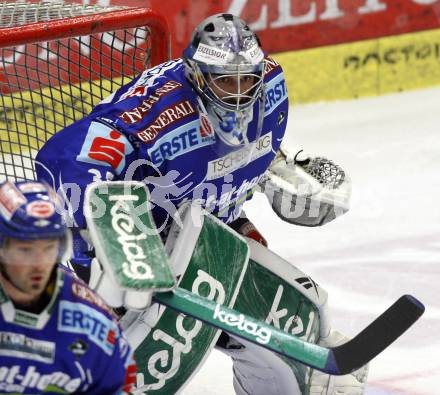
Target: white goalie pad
x=279, y=294
x=306, y=191
x=209, y=259
x=297, y=280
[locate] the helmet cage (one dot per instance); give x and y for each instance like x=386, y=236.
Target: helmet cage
x=235, y=100
x=224, y=46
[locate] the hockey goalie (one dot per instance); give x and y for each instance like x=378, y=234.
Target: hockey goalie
x=203, y=133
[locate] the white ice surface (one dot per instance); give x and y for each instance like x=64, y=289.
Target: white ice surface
x=387, y=245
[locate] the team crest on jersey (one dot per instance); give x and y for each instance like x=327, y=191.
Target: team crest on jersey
x=166, y=118
x=281, y=117
x=78, y=348
x=104, y=146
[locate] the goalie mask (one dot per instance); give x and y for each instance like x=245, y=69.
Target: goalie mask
x=30, y=211
x=225, y=65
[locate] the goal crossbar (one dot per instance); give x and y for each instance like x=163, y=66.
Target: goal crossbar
x=58, y=61
x=92, y=24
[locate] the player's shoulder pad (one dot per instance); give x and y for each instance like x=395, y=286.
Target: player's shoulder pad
x=276, y=95
x=65, y=143
x=271, y=68
x=150, y=102
x=157, y=105
x=162, y=80
x=79, y=292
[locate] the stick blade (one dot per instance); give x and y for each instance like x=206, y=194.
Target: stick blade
x=376, y=337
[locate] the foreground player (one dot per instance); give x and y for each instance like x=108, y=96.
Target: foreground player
x=206, y=128
x=56, y=334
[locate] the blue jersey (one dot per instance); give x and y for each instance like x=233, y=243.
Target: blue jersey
x=156, y=130
x=74, y=346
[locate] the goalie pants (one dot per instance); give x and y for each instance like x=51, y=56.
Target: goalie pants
x=257, y=371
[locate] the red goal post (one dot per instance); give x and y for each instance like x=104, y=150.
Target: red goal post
x=58, y=60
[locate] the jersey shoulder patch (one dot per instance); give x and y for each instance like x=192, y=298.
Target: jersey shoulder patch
x=81, y=293
x=271, y=68
x=104, y=146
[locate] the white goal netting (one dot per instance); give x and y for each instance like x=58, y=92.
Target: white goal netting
x=62, y=60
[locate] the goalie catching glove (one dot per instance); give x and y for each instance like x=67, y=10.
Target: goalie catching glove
x=306, y=191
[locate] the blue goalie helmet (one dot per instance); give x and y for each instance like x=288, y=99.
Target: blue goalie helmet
x=30, y=211
x=224, y=63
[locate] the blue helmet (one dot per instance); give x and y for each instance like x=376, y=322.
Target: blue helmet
x=30, y=211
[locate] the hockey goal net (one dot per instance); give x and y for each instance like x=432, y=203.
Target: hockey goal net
x=57, y=61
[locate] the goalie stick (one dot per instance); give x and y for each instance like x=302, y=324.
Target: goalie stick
x=141, y=265
x=339, y=360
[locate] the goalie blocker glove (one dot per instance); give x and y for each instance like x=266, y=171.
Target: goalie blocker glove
x=306, y=191
x=116, y=297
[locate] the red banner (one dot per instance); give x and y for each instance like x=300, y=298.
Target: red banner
x=285, y=25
